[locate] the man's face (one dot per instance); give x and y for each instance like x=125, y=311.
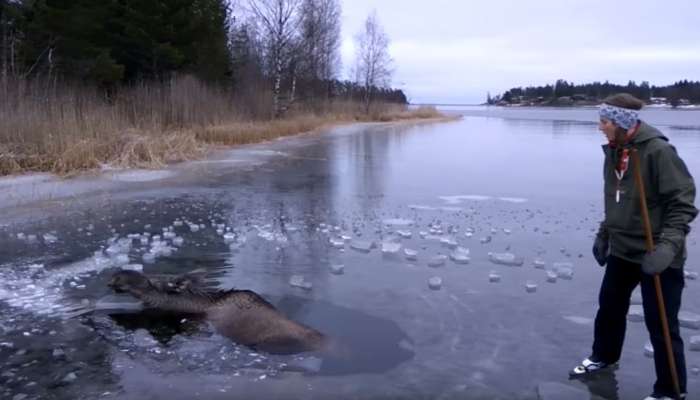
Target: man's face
x=608, y=128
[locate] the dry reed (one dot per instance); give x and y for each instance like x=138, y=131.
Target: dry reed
x=61, y=128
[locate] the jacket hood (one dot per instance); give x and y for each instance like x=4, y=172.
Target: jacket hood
x=647, y=132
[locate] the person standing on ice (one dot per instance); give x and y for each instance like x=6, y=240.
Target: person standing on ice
x=620, y=241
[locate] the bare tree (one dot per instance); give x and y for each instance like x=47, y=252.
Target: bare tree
x=320, y=39
x=373, y=63
x=279, y=21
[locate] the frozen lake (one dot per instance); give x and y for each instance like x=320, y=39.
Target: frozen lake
x=394, y=207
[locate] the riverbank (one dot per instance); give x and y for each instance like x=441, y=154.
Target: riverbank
x=34, y=195
x=67, y=128
x=67, y=153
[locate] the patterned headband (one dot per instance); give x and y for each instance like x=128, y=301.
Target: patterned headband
x=622, y=117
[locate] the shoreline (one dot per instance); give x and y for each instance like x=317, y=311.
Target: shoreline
x=33, y=191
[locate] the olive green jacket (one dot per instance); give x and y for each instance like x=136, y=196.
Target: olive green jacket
x=670, y=195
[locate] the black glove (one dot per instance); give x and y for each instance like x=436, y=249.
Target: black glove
x=659, y=259
x=600, y=250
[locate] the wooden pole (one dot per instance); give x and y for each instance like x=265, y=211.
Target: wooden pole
x=657, y=279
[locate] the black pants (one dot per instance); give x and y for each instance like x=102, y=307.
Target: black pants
x=621, y=277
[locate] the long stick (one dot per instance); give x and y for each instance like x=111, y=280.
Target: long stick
x=657, y=279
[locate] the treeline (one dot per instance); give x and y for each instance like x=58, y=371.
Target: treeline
x=681, y=92
x=286, y=48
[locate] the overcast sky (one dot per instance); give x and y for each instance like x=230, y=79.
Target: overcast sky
x=454, y=51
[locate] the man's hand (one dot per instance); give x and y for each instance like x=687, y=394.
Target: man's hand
x=658, y=260
x=600, y=250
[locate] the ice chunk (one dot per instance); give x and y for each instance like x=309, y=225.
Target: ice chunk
x=149, y=257
x=460, y=255
x=539, y=264
x=362, y=245
x=485, y=240
x=119, y=260
x=404, y=234
x=229, y=237
x=298, y=281
x=437, y=261
x=178, y=241
x=469, y=234
x=506, y=259
x=564, y=270
x=410, y=254
x=390, y=248
x=507, y=231
x=695, y=343
x=50, y=238
x=530, y=287
x=435, y=283
x=449, y=242
x=689, y=320
x=690, y=275
x=635, y=314
x=579, y=320
x=695, y=370
x=494, y=277
x=551, y=277
x=337, y=243
x=649, y=350
x=337, y=269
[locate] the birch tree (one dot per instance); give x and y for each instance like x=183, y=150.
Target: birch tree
x=279, y=19
x=373, y=63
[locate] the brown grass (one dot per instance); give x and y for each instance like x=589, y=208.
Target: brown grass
x=68, y=128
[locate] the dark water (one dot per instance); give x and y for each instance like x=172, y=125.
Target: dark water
x=525, y=182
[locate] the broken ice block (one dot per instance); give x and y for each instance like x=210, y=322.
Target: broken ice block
x=564, y=270
x=362, y=245
x=635, y=314
x=410, y=254
x=337, y=243
x=390, y=248
x=494, y=277
x=50, y=238
x=530, y=287
x=449, y=242
x=435, y=283
x=506, y=259
x=649, y=350
x=437, y=261
x=460, y=255
x=695, y=343
x=690, y=275
x=551, y=276
x=689, y=320
x=539, y=264
x=298, y=281
x=485, y=240
x=337, y=269
x=404, y=234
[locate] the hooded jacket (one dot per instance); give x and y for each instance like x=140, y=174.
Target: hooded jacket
x=670, y=196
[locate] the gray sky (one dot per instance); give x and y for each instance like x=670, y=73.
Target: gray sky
x=454, y=51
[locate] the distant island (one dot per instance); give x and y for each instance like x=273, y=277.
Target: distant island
x=680, y=94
